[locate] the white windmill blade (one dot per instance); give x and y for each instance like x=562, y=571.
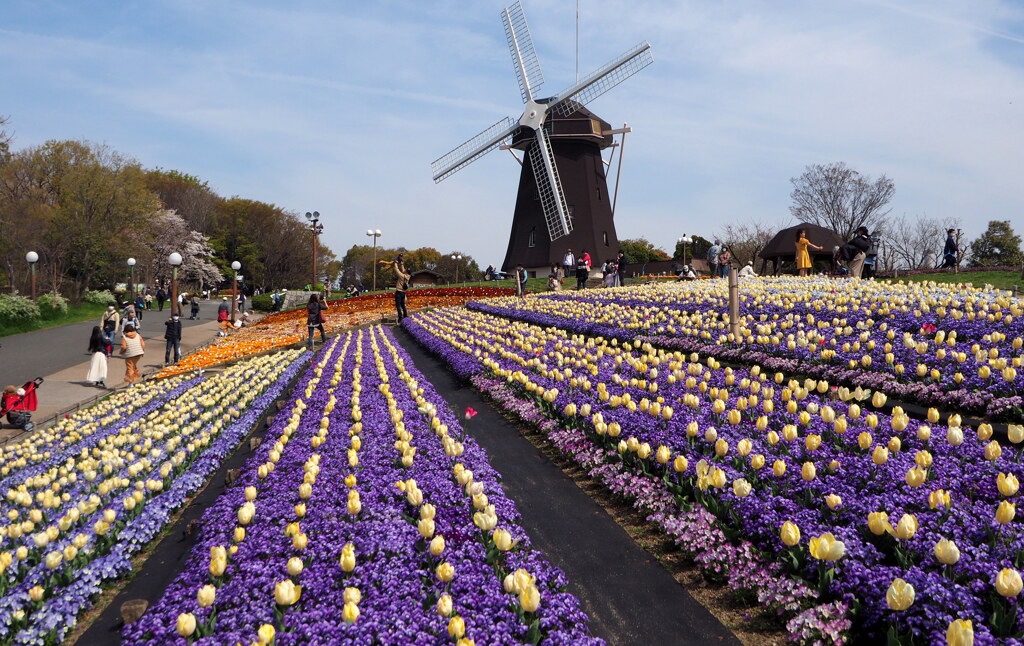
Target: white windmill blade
x=473, y=149
x=602, y=80
x=524, y=55
x=549, y=187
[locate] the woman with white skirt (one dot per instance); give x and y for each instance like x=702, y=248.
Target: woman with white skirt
x=98, y=364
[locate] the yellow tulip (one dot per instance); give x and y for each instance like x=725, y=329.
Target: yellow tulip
x=529, y=598
x=246, y=513
x=352, y=595
x=757, y=461
x=1008, y=582
x=880, y=455
x=1007, y=484
x=865, y=440
x=808, y=472
x=960, y=633
x=907, y=527
x=54, y=559
x=218, y=565
x=947, y=552
x=790, y=533
x=663, y=455
x=955, y=436
x=1015, y=432
x=993, y=451
x=456, y=627
x=939, y=498
x=445, y=572
x=741, y=488
x=436, y=546
x=680, y=464
x=826, y=547
x=900, y=595
x=779, y=468
x=444, y=605
x=833, y=501
x=300, y=541
x=1005, y=512
x=426, y=527
x=186, y=624
x=916, y=476
x=206, y=595
x=265, y=635
x=294, y=566
x=287, y=593
x=878, y=523
x=350, y=613
x=36, y=593
x=502, y=539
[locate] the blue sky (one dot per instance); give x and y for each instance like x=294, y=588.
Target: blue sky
x=341, y=106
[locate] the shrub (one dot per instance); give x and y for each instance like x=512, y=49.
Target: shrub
x=52, y=306
x=100, y=297
x=14, y=309
x=262, y=303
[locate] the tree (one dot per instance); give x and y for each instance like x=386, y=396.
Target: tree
x=696, y=249
x=839, y=198
x=747, y=240
x=5, y=141
x=915, y=243
x=168, y=233
x=640, y=250
x=999, y=246
x=186, y=195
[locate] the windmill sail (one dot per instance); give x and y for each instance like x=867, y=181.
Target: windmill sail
x=602, y=80
x=549, y=188
x=473, y=149
x=524, y=55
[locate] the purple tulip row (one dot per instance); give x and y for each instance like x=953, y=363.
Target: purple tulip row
x=99, y=557
x=778, y=439
x=340, y=517
x=851, y=349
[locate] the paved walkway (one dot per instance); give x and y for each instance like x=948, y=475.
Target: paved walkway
x=59, y=356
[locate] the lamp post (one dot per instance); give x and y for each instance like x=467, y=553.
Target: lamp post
x=316, y=229
x=32, y=258
x=685, y=240
x=456, y=258
x=131, y=279
x=235, y=266
x=175, y=261
x=374, y=233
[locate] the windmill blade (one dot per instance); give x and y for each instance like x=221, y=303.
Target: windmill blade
x=473, y=149
x=604, y=79
x=524, y=56
x=549, y=187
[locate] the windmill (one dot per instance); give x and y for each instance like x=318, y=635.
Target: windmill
x=563, y=192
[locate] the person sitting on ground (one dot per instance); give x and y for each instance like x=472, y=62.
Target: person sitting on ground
x=748, y=271
x=687, y=273
x=554, y=282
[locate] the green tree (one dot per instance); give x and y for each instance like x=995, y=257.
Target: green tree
x=696, y=249
x=999, y=246
x=640, y=250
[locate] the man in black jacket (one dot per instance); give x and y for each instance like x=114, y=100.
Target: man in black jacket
x=949, y=252
x=862, y=243
x=173, y=337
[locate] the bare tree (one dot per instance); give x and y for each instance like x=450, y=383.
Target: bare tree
x=5, y=140
x=839, y=198
x=915, y=243
x=746, y=240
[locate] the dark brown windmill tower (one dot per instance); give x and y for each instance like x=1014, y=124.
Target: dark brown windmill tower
x=563, y=199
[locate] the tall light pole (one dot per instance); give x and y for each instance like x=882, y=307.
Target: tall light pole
x=685, y=240
x=316, y=229
x=131, y=279
x=235, y=266
x=32, y=258
x=374, y=233
x=456, y=257
x=175, y=261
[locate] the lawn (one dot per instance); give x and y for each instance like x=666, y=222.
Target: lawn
x=76, y=314
x=999, y=279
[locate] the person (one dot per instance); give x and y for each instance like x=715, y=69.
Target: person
x=401, y=284
x=620, y=269
x=133, y=346
x=194, y=302
x=520, y=281
x=179, y=307
x=586, y=259
x=98, y=363
x=241, y=301
x=748, y=271
x=949, y=252
x=803, y=257
x=713, y=253
x=861, y=243
x=131, y=318
x=161, y=297
x=687, y=273
x=582, y=271
x=315, y=317
x=554, y=282
x=568, y=263
x=724, y=262
x=223, y=316
x=110, y=323
x=173, y=337
x=140, y=305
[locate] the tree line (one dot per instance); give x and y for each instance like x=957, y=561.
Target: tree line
x=85, y=209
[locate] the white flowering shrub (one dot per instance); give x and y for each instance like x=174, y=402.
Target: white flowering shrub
x=15, y=308
x=99, y=297
x=52, y=305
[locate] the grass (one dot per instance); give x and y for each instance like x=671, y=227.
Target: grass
x=998, y=279
x=76, y=314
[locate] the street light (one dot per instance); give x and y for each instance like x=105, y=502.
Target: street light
x=235, y=266
x=316, y=229
x=131, y=281
x=685, y=240
x=175, y=261
x=32, y=258
x=456, y=258
x=374, y=233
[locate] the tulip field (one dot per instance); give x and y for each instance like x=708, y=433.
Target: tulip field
x=844, y=519
x=923, y=342
x=367, y=516
x=85, y=495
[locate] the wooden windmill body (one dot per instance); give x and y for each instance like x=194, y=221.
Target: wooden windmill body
x=563, y=199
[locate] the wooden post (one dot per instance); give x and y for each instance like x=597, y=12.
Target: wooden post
x=734, y=304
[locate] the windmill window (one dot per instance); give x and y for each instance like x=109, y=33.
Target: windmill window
x=533, y=237
x=572, y=214
x=605, y=235
x=598, y=193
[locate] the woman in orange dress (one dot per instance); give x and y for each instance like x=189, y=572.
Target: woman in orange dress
x=803, y=258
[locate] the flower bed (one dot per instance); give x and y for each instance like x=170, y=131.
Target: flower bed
x=900, y=526
x=287, y=328
x=924, y=343
x=82, y=499
x=367, y=516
